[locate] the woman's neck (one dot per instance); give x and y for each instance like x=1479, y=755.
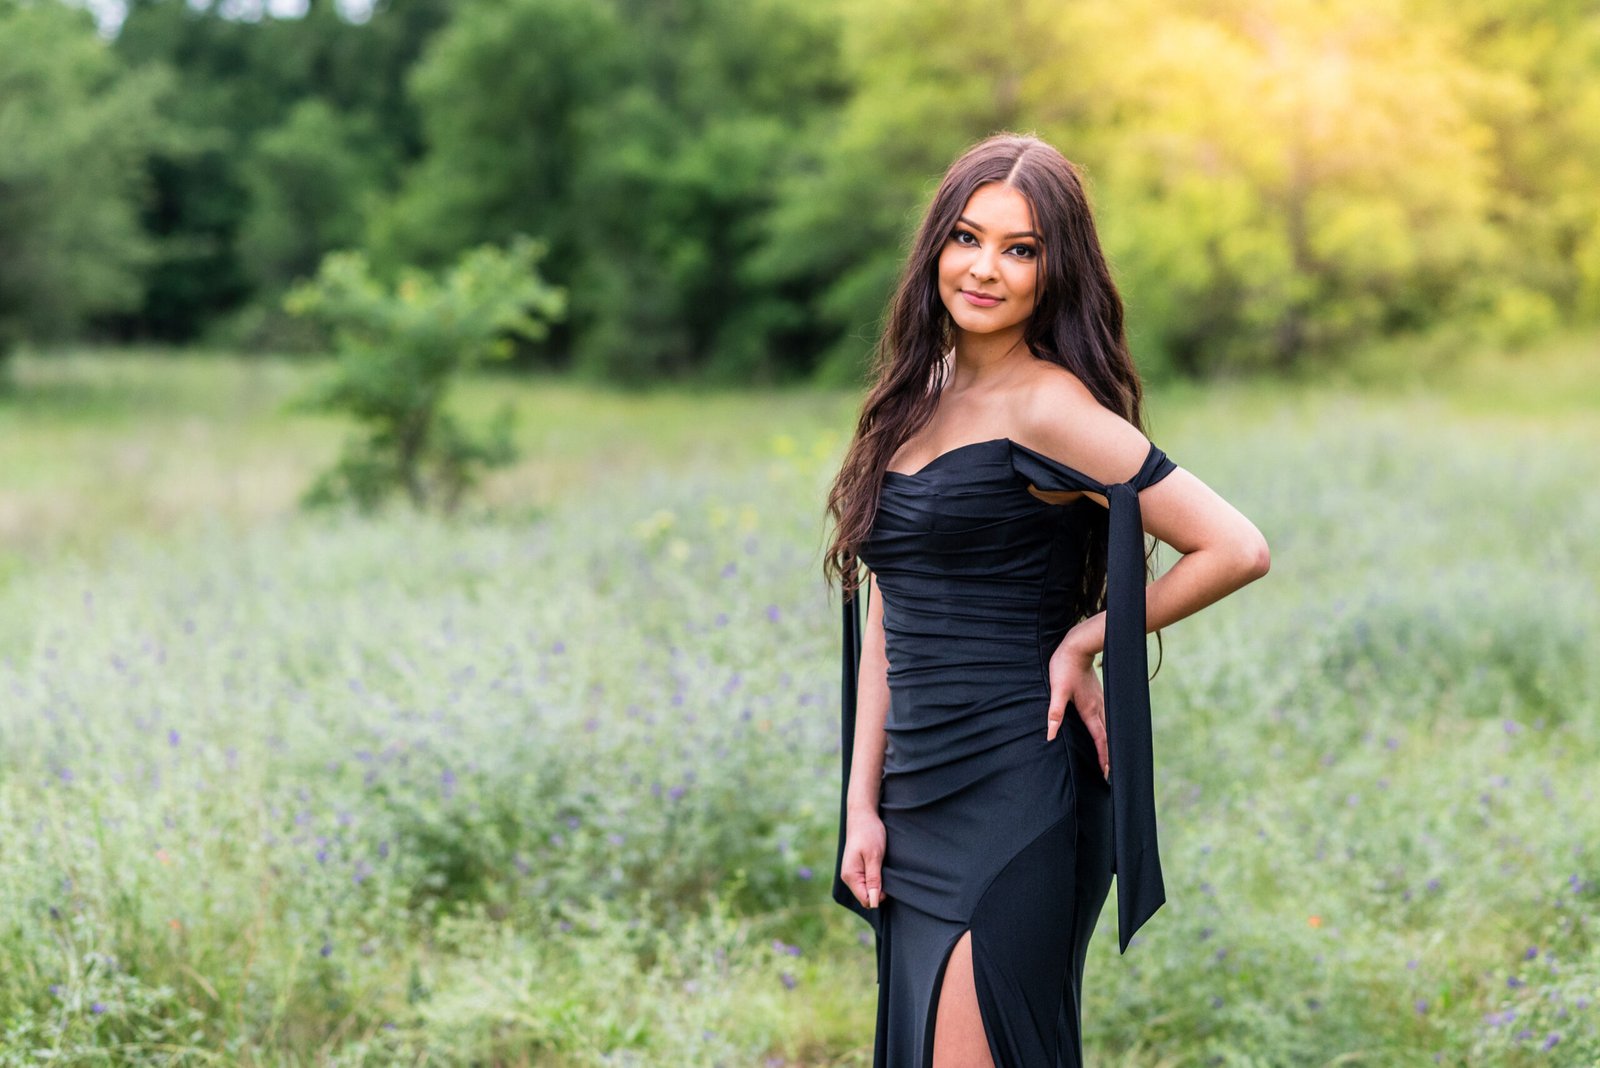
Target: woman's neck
x=980, y=361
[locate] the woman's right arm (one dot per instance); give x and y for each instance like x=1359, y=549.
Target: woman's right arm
x=865, y=840
x=872, y=708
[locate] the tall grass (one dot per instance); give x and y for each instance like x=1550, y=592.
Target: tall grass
x=556, y=784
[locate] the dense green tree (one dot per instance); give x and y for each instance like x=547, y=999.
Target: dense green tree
x=502, y=92
x=1288, y=179
x=75, y=127
x=217, y=206
x=308, y=181
x=1542, y=113
x=644, y=141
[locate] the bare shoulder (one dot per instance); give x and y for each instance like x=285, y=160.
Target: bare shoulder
x=1060, y=418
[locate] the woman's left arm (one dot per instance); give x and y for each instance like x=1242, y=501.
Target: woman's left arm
x=1222, y=552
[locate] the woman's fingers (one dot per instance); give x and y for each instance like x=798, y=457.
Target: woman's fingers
x=1093, y=715
x=1055, y=713
x=862, y=872
x=871, y=880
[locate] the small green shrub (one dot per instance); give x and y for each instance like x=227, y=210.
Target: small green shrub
x=398, y=352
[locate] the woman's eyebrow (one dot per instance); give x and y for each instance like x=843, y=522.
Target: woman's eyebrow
x=981, y=230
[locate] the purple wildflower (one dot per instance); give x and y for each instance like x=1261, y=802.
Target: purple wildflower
x=1550, y=1040
x=172, y=738
x=789, y=981
x=98, y=1007
x=772, y=613
x=804, y=872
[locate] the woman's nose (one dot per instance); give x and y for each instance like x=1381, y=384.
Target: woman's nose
x=983, y=265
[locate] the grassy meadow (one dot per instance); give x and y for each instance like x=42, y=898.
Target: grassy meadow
x=555, y=782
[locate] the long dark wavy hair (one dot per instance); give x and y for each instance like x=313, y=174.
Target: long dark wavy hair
x=1076, y=323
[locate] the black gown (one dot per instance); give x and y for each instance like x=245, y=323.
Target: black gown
x=989, y=826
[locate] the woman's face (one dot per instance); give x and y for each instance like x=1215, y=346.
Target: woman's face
x=989, y=266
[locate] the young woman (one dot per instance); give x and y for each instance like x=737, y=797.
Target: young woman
x=998, y=489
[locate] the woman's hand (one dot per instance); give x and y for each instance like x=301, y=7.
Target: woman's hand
x=862, y=866
x=1073, y=680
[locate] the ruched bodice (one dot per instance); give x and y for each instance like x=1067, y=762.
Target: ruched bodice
x=974, y=577
x=976, y=573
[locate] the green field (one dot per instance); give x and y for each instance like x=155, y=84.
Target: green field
x=555, y=782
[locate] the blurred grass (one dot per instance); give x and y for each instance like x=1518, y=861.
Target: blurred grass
x=98, y=444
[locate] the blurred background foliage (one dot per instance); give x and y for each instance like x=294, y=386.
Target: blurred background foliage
x=726, y=186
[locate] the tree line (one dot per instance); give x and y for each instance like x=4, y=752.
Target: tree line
x=725, y=188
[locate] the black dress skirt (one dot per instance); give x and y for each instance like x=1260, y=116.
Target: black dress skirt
x=990, y=827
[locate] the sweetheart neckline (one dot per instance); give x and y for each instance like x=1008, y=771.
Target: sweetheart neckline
x=947, y=452
x=1012, y=443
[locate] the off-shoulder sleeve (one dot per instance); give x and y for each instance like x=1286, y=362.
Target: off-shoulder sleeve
x=850, y=666
x=1136, y=862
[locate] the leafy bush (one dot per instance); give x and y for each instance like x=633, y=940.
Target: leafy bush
x=400, y=349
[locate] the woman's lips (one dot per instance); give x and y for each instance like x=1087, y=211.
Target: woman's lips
x=981, y=300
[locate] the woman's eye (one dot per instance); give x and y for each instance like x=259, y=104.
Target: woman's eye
x=1024, y=251
x=962, y=237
